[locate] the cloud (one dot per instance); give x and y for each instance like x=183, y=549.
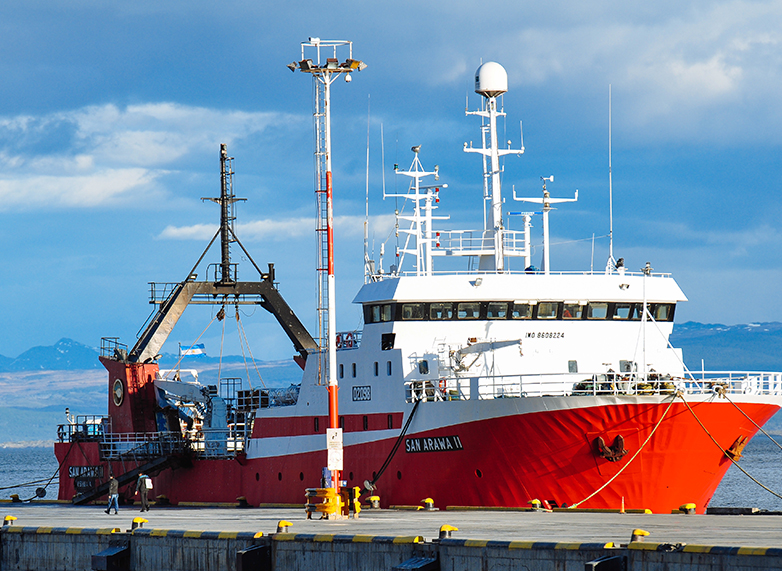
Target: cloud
x=96, y=155
x=284, y=229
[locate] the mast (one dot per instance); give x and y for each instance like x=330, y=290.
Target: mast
x=491, y=81
x=325, y=70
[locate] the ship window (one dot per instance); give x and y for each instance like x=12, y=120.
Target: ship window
x=468, y=310
x=387, y=341
x=388, y=368
x=622, y=310
x=390, y=421
x=381, y=313
x=439, y=311
x=521, y=311
x=423, y=367
x=598, y=310
x=636, y=313
x=342, y=422
x=547, y=310
x=663, y=312
x=412, y=311
x=497, y=310
x=341, y=370
x=572, y=366
x=317, y=424
x=376, y=368
x=366, y=422
x=354, y=369
x=572, y=311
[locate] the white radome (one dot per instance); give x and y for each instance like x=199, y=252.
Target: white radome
x=491, y=79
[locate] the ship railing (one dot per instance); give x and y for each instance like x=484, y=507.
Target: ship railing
x=346, y=340
x=207, y=443
x=478, y=243
x=381, y=276
x=459, y=388
x=84, y=428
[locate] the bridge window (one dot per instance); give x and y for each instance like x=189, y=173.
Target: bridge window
x=597, y=310
x=548, y=310
x=439, y=311
x=412, y=311
x=663, y=311
x=388, y=368
x=423, y=367
x=380, y=313
x=521, y=311
x=572, y=311
x=468, y=310
x=376, y=368
x=354, y=370
x=496, y=310
x=341, y=370
x=622, y=310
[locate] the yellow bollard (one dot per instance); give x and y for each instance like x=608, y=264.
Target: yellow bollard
x=429, y=505
x=687, y=508
x=445, y=531
x=282, y=526
x=374, y=502
x=8, y=520
x=638, y=535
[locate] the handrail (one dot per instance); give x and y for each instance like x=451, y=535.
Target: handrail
x=590, y=384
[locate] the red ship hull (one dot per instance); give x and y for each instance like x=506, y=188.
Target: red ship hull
x=505, y=461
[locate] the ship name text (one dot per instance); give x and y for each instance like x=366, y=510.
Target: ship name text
x=435, y=444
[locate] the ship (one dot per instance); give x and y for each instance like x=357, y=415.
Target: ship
x=477, y=378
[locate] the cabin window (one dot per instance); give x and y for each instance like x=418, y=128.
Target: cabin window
x=663, y=312
x=622, y=310
x=387, y=341
x=376, y=368
x=341, y=370
x=497, y=310
x=388, y=368
x=381, y=313
x=597, y=310
x=354, y=370
x=521, y=311
x=366, y=422
x=412, y=311
x=547, y=310
x=440, y=311
x=468, y=310
x=423, y=367
x=572, y=311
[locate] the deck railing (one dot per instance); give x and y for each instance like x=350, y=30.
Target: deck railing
x=579, y=384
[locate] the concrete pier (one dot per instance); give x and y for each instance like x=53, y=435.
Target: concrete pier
x=66, y=537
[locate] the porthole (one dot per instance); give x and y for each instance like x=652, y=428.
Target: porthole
x=399, y=475
x=257, y=477
x=118, y=392
x=478, y=473
x=301, y=476
x=279, y=476
x=350, y=476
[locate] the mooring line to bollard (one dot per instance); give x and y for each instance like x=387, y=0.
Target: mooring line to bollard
x=725, y=453
x=615, y=476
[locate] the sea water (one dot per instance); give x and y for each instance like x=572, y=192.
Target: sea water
x=36, y=466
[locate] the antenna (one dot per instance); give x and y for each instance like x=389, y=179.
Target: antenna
x=611, y=262
x=367, y=269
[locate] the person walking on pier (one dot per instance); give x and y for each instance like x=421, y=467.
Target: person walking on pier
x=113, y=494
x=142, y=488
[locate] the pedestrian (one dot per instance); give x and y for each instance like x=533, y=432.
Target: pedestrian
x=113, y=494
x=142, y=488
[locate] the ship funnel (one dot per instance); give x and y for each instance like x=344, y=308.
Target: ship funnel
x=491, y=79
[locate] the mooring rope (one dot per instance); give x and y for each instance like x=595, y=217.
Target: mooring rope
x=725, y=453
x=622, y=469
x=723, y=393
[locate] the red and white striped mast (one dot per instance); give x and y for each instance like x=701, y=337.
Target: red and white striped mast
x=325, y=67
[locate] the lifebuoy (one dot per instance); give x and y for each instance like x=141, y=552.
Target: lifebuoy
x=443, y=384
x=348, y=340
x=338, y=341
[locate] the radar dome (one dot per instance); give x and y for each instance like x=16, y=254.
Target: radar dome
x=491, y=79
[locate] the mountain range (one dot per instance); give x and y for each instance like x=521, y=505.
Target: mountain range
x=749, y=347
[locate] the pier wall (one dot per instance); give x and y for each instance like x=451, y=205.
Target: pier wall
x=72, y=549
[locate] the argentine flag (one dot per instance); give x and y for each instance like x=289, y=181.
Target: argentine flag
x=194, y=350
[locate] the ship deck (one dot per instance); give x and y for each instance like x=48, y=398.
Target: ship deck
x=759, y=530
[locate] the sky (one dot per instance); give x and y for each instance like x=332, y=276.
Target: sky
x=112, y=113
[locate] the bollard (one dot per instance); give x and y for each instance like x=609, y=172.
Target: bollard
x=8, y=520
x=138, y=522
x=429, y=505
x=536, y=505
x=688, y=509
x=638, y=535
x=445, y=531
x=282, y=526
x=15, y=499
x=374, y=502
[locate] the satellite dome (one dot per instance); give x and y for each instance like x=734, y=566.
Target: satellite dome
x=491, y=79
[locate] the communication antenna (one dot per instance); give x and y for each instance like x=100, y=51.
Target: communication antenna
x=368, y=270
x=611, y=264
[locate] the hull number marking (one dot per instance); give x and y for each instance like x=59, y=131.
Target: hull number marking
x=436, y=444
x=362, y=393
x=544, y=335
